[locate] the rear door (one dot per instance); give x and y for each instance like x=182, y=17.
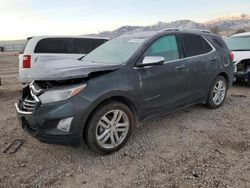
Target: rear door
x=201, y=61
x=163, y=86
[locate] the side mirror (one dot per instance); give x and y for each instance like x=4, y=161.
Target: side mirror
x=152, y=60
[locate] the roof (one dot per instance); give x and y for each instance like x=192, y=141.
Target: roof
x=188, y=30
x=149, y=34
x=143, y=34
x=67, y=36
x=241, y=34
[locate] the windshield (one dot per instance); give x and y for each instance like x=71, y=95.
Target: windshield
x=115, y=51
x=238, y=43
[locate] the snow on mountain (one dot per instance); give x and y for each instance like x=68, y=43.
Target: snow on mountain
x=231, y=17
x=224, y=23
x=230, y=22
x=158, y=26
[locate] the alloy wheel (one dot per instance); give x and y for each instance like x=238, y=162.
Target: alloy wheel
x=219, y=92
x=112, y=129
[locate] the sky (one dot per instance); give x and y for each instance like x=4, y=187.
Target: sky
x=20, y=19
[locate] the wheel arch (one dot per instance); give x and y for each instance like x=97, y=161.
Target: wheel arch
x=119, y=98
x=225, y=75
x=246, y=63
x=246, y=60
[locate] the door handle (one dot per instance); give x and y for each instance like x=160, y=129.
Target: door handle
x=179, y=67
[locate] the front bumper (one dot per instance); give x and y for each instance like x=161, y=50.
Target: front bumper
x=42, y=123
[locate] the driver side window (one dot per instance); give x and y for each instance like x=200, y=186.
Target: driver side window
x=166, y=47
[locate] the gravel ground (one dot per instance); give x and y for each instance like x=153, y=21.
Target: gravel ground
x=195, y=147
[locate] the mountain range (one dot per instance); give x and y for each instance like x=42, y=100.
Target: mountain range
x=228, y=24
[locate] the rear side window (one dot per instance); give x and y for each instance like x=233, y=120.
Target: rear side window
x=54, y=45
x=220, y=43
x=164, y=46
x=84, y=46
x=195, y=45
x=207, y=47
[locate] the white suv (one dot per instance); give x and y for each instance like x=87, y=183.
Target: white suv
x=239, y=44
x=45, y=49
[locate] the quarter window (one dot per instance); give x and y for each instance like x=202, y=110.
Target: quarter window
x=207, y=47
x=166, y=47
x=195, y=45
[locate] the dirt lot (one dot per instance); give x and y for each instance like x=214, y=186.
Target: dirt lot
x=195, y=147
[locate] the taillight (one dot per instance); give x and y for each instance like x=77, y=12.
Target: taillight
x=231, y=56
x=26, y=61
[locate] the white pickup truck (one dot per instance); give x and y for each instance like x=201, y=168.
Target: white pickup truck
x=44, y=49
x=239, y=44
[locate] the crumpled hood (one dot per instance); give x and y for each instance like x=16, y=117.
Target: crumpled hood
x=68, y=69
x=241, y=55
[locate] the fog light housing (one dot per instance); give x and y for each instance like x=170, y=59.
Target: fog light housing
x=64, y=124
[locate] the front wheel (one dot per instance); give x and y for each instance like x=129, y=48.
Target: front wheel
x=217, y=93
x=109, y=127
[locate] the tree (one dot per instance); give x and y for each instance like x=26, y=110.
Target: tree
x=215, y=30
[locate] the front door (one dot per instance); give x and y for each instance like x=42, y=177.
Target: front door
x=163, y=86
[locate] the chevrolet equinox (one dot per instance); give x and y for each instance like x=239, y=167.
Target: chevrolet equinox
x=131, y=78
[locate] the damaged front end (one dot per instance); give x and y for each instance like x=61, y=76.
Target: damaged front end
x=51, y=108
x=29, y=101
x=42, y=92
x=242, y=71
x=59, y=80
x=49, y=112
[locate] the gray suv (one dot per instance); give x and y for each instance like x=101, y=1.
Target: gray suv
x=131, y=78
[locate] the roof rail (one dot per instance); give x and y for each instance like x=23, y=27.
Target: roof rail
x=171, y=29
x=198, y=30
x=187, y=29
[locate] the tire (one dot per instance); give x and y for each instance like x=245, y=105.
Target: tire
x=101, y=130
x=216, y=101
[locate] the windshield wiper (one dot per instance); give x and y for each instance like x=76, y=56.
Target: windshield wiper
x=81, y=57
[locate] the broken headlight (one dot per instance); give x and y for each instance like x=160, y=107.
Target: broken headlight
x=56, y=95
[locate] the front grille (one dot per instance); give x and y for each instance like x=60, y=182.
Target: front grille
x=29, y=104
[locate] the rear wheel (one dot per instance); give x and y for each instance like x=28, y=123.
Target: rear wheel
x=109, y=127
x=217, y=93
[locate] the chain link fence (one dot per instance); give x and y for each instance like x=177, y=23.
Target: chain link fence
x=12, y=46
